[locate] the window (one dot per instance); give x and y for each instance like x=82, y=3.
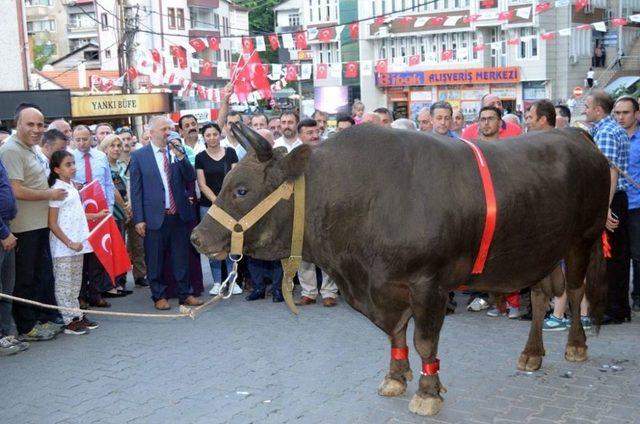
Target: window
x=82, y=21
x=225, y=25
x=180, y=18
x=38, y=2
x=171, y=15
x=328, y=53
x=41, y=26
x=104, y=21
x=294, y=19
x=91, y=55
x=528, y=48
x=107, y=54
x=203, y=18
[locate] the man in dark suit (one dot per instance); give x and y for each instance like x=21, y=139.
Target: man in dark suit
x=159, y=175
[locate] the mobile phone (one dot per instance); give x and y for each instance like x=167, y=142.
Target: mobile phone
x=614, y=216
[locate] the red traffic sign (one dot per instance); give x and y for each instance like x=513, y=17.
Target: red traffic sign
x=577, y=92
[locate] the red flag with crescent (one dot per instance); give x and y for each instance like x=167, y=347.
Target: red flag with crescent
x=321, y=71
x=292, y=72
x=274, y=43
x=581, y=4
x=207, y=68
x=214, y=43
x=354, y=31
x=301, y=40
x=93, y=200
x=247, y=45
x=198, y=44
x=414, y=60
x=109, y=248
x=155, y=54
x=325, y=35
x=351, y=70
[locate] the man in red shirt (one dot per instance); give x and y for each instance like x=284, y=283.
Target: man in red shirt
x=507, y=129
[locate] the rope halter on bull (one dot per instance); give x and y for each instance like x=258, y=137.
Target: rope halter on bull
x=291, y=264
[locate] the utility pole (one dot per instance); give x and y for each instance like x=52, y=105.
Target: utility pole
x=130, y=15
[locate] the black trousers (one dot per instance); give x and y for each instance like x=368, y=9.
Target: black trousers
x=34, y=279
x=94, y=278
x=618, y=266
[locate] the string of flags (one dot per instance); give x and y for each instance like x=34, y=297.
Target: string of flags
x=252, y=82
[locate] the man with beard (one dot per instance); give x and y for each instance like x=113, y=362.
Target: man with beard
x=289, y=124
x=489, y=124
x=230, y=140
x=275, y=127
x=321, y=119
x=102, y=130
x=506, y=129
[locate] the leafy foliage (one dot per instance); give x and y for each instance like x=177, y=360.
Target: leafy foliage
x=41, y=55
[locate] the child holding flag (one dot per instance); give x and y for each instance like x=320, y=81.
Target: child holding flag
x=68, y=241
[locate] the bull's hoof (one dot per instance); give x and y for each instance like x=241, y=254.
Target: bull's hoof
x=575, y=353
x=426, y=406
x=529, y=362
x=391, y=387
x=408, y=375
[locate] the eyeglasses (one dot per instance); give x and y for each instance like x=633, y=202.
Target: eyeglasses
x=488, y=119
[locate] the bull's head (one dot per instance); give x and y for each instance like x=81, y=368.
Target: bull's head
x=258, y=174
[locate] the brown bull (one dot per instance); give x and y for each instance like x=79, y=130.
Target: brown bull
x=396, y=219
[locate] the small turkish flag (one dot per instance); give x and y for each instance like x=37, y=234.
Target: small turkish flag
x=581, y=4
x=547, y=36
x=301, y=40
x=470, y=18
x=325, y=35
x=274, y=42
x=407, y=20
x=414, y=60
x=321, y=71
x=202, y=92
x=478, y=48
x=292, y=72
x=513, y=41
x=207, y=68
x=618, y=22
x=506, y=16
x=542, y=7
x=447, y=55
x=132, y=73
x=93, y=200
x=182, y=62
x=247, y=45
x=354, y=31
x=198, y=44
x=437, y=21
x=487, y=4
x=109, y=248
x=379, y=20
x=584, y=26
x=214, y=43
x=381, y=66
x=351, y=70
x=155, y=54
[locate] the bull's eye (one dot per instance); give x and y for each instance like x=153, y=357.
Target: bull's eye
x=241, y=192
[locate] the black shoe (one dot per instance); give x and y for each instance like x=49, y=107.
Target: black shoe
x=125, y=292
x=255, y=295
x=142, y=282
x=526, y=317
x=111, y=295
x=451, y=307
x=608, y=319
x=277, y=296
x=636, y=305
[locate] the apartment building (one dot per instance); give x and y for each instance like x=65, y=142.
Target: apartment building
x=14, y=45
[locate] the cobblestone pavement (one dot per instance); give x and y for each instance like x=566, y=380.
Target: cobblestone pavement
x=243, y=362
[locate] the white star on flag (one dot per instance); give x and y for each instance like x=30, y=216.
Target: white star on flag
x=523, y=12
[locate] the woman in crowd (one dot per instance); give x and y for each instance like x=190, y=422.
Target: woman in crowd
x=212, y=165
x=68, y=241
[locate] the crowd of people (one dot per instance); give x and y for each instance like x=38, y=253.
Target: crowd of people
x=160, y=185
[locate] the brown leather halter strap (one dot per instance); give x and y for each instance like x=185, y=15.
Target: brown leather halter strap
x=291, y=264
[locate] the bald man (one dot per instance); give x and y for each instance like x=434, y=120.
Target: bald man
x=33, y=265
x=266, y=134
x=371, y=117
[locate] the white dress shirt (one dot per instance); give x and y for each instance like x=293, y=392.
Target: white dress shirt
x=282, y=142
x=160, y=153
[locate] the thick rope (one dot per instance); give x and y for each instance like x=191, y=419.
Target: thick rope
x=185, y=312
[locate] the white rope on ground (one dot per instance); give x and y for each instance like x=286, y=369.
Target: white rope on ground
x=185, y=312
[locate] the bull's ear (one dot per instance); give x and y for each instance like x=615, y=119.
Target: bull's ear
x=252, y=140
x=294, y=164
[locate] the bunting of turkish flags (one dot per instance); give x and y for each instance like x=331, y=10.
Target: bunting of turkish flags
x=180, y=54
x=132, y=73
x=414, y=60
x=354, y=31
x=618, y=22
x=437, y=21
x=109, y=248
x=274, y=42
x=478, y=48
x=382, y=66
x=470, y=18
x=506, y=16
x=301, y=40
x=581, y=4
x=321, y=71
x=247, y=45
x=214, y=43
x=351, y=70
x=547, y=36
x=155, y=54
x=198, y=44
x=93, y=200
x=292, y=72
x=513, y=41
x=207, y=68
x=542, y=7
x=325, y=35
x=447, y=54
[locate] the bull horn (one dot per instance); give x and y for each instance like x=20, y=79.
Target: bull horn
x=252, y=140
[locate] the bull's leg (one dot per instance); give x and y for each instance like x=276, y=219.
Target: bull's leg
x=577, y=262
x=531, y=357
x=395, y=382
x=429, y=309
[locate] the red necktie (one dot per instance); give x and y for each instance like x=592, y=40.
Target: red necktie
x=167, y=171
x=88, y=177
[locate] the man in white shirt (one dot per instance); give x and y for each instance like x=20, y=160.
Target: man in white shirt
x=188, y=125
x=289, y=128
x=230, y=141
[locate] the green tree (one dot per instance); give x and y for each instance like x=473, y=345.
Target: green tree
x=261, y=21
x=41, y=55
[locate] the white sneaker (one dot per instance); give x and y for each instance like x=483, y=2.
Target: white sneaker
x=215, y=290
x=236, y=289
x=515, y=313
x=478, y=305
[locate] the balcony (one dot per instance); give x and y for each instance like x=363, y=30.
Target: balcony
x=37, y=11
x=82, y=29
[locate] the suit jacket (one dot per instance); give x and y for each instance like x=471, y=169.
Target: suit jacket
x=147, y=190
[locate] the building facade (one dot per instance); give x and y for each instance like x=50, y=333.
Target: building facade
x=14, y=44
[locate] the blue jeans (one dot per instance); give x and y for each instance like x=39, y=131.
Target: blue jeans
x=216, y=266
x=7, y=282
x=259, y=269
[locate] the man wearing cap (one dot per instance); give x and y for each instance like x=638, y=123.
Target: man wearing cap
x=159, y=175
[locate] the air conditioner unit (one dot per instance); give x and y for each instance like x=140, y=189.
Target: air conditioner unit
x=573, y=59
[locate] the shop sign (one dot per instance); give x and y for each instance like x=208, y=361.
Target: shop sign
x=120, y=105
x=421, y=96
x=450, y=77
x=504, y=92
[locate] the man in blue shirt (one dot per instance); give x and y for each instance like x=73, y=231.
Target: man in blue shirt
x=626, y=113
x=613, y=142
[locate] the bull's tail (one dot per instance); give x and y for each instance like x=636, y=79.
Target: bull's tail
x=596, y=287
